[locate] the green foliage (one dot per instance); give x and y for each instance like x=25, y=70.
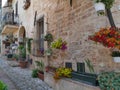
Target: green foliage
x=89, y=65
x=48, y=37
x=29, y=44
x=35, y=73
x=108, y=3
x=62, y=72
x=109, y=81
x=22, y=51
x=115, y=54
x=40, y=65
x=3, y=86
x=48, y=51
x=15, y=56
x=100, y=13
x=58, y=43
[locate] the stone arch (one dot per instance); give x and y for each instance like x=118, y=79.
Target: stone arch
x=21, y=34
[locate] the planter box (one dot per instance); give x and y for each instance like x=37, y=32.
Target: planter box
x=87, y=78
x=116, y=59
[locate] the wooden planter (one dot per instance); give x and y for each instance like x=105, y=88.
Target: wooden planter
x=23, y=64
x=41, y=75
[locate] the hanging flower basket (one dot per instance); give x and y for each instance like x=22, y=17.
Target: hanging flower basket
x=100, y=8
x=108, y=37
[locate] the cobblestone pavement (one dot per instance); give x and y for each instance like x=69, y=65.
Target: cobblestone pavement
x=22, y=77
x=6, y=80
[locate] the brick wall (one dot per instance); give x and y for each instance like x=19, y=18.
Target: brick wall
x=75, y=24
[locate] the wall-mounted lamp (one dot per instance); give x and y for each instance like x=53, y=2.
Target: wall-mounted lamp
x=100, y=8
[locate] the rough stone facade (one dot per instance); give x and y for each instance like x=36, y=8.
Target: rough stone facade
x=73, y=24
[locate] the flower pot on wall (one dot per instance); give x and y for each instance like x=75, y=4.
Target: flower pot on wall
x=116, y=59
x=100, y=7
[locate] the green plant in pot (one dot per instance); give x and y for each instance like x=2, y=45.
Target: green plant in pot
x=22, y=56
x=116, y=56
x=40, y=67
x=35, y=73
x=15, y=56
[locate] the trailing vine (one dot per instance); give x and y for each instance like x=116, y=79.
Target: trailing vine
x=29, y=44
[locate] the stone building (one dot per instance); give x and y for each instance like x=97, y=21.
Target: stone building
x=71, y=23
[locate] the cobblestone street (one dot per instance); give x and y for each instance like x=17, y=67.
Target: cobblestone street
x=20, y=77
x=6, y=79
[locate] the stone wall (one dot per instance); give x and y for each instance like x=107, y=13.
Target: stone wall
x=74, y=24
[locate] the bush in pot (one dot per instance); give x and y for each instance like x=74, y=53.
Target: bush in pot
x=22, y=56
x=62, y=72
x=35, y=73
x=40, y=66
x=116, y=56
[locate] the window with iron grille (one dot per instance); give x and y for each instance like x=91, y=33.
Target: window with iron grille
x=38, y=49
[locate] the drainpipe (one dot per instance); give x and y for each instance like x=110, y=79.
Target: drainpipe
x=110, y=18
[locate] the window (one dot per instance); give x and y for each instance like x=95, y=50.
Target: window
x=16, y=9
x=39, y=42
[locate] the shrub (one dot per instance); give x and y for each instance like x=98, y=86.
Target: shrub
x=115, y=54
x=35, y=73
x=3, y=86
x=109, y=81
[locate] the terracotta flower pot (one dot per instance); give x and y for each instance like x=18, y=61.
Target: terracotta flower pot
x=41, y=75
x=23, y=64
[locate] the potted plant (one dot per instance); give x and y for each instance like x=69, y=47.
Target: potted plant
x=15, y=57
x=59, y=44
x=35, y=73
x=116, y=56
x=40, y=66
x=62, y=72
x=22, y=56
x=48, y=37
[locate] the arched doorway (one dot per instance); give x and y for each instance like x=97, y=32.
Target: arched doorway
x=21, y=35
